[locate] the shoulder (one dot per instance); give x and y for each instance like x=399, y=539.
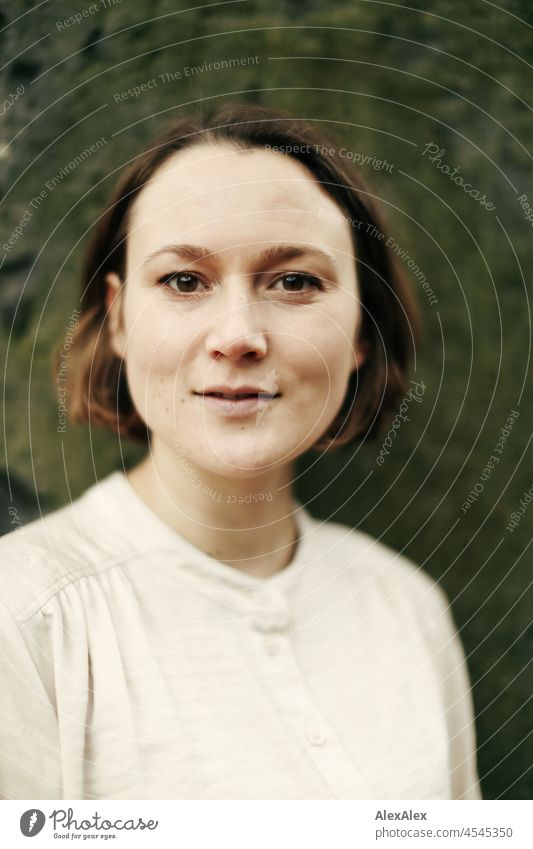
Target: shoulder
x=396, y=597
x=39, y=559
x=366, y=562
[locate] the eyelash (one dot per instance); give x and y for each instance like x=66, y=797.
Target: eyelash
x=317, y=283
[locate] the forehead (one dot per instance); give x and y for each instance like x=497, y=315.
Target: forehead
x=219, y=192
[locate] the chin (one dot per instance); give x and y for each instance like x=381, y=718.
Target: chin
x=239, y=462
x=239, y=467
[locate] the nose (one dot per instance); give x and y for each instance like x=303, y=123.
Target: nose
x=236, y=331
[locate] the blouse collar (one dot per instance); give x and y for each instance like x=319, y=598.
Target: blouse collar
x=145, y=532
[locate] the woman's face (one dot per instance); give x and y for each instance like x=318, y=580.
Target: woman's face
x=240, y=273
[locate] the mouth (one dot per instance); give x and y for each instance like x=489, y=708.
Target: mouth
x=241, y=396
x=238, y=403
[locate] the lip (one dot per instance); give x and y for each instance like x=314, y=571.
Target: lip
x=237, y=390
x=236, y=408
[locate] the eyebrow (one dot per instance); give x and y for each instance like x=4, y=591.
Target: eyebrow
x=274, y=254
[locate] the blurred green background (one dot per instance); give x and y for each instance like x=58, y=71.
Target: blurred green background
x=388, y=79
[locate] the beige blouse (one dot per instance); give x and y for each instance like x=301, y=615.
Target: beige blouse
x=134, y=666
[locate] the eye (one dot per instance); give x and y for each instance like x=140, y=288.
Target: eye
x=189, y=283
x=181, y=282
x=295, y=281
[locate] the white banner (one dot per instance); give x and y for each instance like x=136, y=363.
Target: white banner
x=268, y=824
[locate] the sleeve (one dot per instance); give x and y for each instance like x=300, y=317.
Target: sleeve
x=459, y=706
x=30, y=762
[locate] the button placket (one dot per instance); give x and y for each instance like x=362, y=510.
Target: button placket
x=289, y=690
x=269, y=623
x=285, y=675
x=272, y=619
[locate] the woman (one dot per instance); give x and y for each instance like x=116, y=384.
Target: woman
x=187, y=629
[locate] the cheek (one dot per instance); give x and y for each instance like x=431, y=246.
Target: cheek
x=325, y=348
x=154, y=342
x=153, y=369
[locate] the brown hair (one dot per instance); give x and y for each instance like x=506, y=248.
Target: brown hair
x=97, y=389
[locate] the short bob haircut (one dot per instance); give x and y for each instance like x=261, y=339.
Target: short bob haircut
x=96, y=386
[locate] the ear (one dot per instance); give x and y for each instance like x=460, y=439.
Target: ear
x=114, y=293
x=360, y=353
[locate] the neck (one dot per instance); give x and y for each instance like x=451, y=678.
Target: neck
x=247, y=523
